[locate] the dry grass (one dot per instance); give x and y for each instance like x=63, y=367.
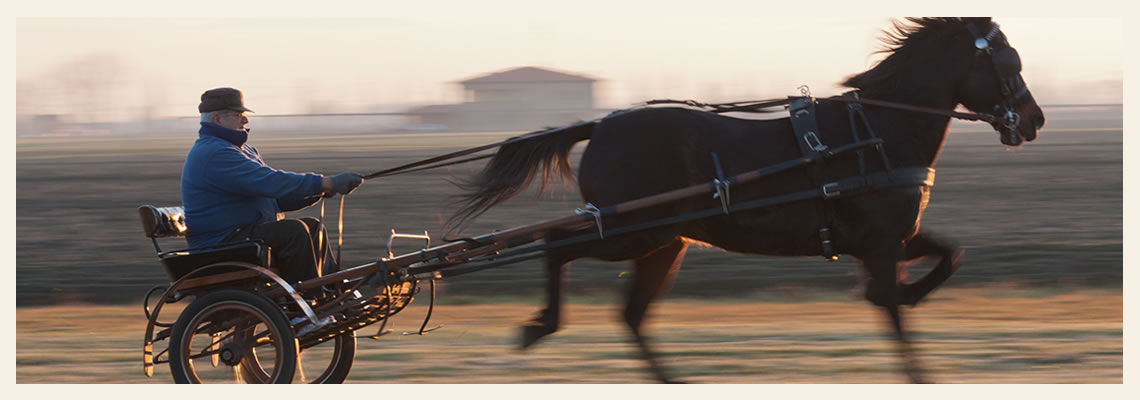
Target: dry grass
x=964, y=336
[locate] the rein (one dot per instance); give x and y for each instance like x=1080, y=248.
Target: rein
x=425, y=164
x=408, y=167
x=907, y=107
x=339, y=233
x=760, y=106
x=765, y=106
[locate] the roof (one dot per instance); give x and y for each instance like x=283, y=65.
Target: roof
x=528, y=74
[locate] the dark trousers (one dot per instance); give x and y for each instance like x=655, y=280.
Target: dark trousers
x=299, y=246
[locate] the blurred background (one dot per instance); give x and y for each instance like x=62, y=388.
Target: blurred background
x=142, y=76
x=106, y=110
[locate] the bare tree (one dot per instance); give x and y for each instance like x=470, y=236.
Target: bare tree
x=88, y=87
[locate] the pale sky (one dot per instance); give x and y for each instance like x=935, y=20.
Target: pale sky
x=287, y=64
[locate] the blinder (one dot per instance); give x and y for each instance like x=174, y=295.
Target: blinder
x=1007, y=61
x=1007, y=65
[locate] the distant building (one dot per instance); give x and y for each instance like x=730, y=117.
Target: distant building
x=526, y=98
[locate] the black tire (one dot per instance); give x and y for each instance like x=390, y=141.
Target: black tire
x=339, y=353
x=239, y=325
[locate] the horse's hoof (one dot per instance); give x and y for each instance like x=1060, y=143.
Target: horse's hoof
x=916, y=376
x=919, y=379
x=531, y=333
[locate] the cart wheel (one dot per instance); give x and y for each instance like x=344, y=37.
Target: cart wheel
x=327, y=362
x=234, y=326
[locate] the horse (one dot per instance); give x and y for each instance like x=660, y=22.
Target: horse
x=936, y=63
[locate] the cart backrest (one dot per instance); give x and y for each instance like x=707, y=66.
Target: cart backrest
x=162, y=221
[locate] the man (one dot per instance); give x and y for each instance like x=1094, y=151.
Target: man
x=229, y=193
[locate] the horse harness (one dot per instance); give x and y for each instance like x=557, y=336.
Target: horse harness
x=803, y=118
x=814, y=154
x=1007, y=65
x=805, y=128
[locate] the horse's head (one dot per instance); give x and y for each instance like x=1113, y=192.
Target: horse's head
x=994, y=85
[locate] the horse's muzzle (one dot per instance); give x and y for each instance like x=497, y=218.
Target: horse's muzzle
x=1016, y=128
x=1010, y=137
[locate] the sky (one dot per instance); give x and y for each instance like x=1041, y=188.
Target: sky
x=397, y=56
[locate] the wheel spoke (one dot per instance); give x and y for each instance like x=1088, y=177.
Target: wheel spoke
x=227, y=326
x=205, y=353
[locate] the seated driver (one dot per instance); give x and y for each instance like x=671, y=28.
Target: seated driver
x=229, y=193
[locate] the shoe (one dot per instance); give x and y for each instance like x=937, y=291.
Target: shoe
x=308, y=327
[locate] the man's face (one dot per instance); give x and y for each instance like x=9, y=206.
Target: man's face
x=232, y=119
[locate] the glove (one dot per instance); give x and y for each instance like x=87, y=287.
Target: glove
x=345, y=182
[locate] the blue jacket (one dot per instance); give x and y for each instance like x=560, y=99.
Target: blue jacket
x=226, y=185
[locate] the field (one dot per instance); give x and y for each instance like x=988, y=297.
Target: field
x=1049, y=213
x=1039, y=298
x=964, y=336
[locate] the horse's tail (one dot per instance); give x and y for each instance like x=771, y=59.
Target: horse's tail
x=513, y=168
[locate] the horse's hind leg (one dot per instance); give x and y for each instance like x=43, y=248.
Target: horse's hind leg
x=883, y=289
x=923, y=245
x=652, y=276
x=548, y=319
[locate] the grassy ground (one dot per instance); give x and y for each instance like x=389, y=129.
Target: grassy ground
x=990, y=335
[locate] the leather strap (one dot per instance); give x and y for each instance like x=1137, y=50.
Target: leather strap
x=806, y=130
x=908, y=107
x=802, y=110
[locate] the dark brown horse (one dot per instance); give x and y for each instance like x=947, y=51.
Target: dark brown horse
x=938, y=63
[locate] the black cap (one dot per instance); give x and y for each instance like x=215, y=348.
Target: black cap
x=222, y=99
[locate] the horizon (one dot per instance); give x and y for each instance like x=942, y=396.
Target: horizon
x=122, y=69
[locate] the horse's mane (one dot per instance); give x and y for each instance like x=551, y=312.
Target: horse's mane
x=903, y=41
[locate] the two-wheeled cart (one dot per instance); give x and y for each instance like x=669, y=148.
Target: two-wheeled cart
x=244, y=321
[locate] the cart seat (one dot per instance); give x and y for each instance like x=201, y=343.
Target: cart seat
x=170, y=222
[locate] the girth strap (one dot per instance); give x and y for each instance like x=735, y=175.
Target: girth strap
x=914, y=176
x=878, y=180
x=867, y=182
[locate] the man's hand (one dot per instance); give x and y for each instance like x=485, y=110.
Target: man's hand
x=342, y=183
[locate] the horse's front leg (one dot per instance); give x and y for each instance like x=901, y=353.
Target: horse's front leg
x=883, y=290
x=924, y=244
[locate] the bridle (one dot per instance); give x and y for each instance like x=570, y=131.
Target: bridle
x=1007, y=66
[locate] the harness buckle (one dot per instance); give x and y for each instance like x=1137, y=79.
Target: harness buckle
x=720, y=184
x=722, y=194
x=813, y=141
x=831, y=190
x=1012, y=119
x=855, y=105
x=825, y=244
x=592, y=210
